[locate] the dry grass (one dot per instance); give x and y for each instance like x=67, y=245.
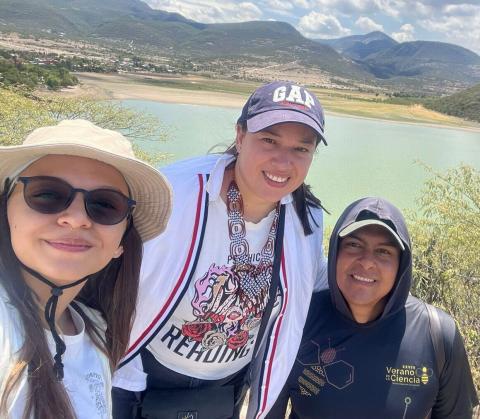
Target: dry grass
x=399, y=113
x=226, y=93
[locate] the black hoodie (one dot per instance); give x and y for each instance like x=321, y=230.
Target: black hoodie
x=385, y=369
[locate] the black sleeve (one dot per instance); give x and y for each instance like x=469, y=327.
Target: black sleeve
x=456, y=395
x=279, y=409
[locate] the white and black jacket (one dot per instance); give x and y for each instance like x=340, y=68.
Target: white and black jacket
x=169, y=262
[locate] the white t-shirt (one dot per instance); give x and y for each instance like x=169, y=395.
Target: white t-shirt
x=87, y=376
x=211, y=334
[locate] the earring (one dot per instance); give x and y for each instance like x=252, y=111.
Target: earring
x=118, y=252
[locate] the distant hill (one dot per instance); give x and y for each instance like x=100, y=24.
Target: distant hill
x=171, y=33
x=79, y=17
x=424, y=58
x=367, y=60
x=464, y=104
x=360, y=46
x=418, y=65
x=258, y=40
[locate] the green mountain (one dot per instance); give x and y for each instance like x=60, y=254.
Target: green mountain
x=372, y=59
x=423, y=58
x=464, y=104
x=172, y=34
x=264, y=41
x=419, y=65
x=360, y=46
x=78, y=17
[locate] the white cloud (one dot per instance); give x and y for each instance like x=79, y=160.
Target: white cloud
x=461, y=9
x=317, y=25
x=461, y=28
x=247, y=9
x=445, y=25
x=455, y=21
x=304, y=4
x=420, y=9
x=405, y=34
x=368, y=25
x=440, y=4
x=350, y=8
x=389, y=7
x=210, y=11
x=281, y=5
x=343, y=7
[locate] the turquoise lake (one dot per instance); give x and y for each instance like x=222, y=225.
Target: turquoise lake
x=364, y=157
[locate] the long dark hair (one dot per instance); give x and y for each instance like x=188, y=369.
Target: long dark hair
x=113, y=291
x=303, y=198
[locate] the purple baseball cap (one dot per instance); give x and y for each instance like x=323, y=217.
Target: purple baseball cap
x=283, y=101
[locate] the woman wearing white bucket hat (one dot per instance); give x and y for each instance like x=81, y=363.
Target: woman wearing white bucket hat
x=75, y=208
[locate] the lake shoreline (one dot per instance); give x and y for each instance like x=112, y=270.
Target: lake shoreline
x=137, y=87
x=364, y=157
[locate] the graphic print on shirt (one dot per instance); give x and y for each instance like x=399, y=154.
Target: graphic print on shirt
x=213, y=327
x=224, y=312
x=326, y=366
x=229, y=300
x=96, y=388
x=408, y=375
x=322, y=367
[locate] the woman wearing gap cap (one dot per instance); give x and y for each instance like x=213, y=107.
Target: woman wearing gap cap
x=75, y=207
x=239, y=259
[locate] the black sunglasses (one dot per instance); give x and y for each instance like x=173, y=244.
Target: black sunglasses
x=51, y=195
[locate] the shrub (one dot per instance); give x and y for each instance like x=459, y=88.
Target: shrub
x=446, y=240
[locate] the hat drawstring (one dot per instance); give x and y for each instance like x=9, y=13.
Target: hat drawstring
x=50, y=309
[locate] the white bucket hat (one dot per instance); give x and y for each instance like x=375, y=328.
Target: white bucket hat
x=148, y=187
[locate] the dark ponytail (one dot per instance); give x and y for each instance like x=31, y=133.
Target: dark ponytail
x=303, y=201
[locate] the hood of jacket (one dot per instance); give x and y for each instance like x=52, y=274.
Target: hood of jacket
x=380, y=209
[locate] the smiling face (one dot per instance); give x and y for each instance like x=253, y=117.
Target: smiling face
x=367, y=266
x=67, y=246
x=273, y=162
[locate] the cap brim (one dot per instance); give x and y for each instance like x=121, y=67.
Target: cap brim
x=278, y=116
x=359, y=224
x=148, y=186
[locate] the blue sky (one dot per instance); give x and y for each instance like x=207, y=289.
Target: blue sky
x=454, y=21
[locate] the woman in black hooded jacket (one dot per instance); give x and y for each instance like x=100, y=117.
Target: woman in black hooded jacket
x=370, y=349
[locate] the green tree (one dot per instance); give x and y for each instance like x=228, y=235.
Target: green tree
x=446, y=239
x=53, y=82
x=20, y=114
x=14, y=72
